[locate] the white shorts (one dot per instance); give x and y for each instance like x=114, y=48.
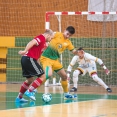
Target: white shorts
x=91, y=69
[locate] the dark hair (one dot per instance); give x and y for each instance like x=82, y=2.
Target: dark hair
x=80, y=49
x=71, y=29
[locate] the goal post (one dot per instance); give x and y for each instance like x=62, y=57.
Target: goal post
x=96, y=37
x=47, y=19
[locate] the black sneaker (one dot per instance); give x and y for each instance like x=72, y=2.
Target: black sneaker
x=74, y=89
x=109, y=90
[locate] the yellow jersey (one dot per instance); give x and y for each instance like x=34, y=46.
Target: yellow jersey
x=57, y=46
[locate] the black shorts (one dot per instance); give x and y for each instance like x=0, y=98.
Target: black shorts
x=30, y=67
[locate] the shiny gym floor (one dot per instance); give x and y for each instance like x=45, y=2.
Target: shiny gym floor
x=92, y=101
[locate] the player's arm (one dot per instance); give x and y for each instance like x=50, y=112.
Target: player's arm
x=100, y=62
x=72, y=63
x=74, y=51
x=71, y=48
x=104, y=66
x=29, y=45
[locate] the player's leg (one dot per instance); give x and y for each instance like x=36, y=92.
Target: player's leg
x=26, y=65
x=76, y=73
x=58, y=68
x=23, y=89
x=47, y=66
x=35, y=70
x=46, y=63
x=64, y=84
x=36, y=83
x=100, y=82
x=93, y=73
x=64, y=81
x=43, y=78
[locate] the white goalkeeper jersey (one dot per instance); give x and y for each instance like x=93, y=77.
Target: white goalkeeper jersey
x=85, y=62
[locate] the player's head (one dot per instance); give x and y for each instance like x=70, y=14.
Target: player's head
x=70, y=30
x=80, y=52
x=48, y=34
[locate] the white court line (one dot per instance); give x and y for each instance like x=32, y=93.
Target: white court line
x=53, y=105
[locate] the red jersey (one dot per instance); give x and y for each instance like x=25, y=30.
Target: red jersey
x=36, y=51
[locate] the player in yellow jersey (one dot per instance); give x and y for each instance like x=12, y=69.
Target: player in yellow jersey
x=50, y=56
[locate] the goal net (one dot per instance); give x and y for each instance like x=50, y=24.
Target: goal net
x=22, y=20
x=98, y=38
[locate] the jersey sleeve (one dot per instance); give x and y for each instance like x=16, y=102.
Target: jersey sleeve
x=38, y=40
x=72, y=63
x=91, y=57
x=70, y=46
x=74, y=60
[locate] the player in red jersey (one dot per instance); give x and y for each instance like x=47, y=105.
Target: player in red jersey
x=30, y=65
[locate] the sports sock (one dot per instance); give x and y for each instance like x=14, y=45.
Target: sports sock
x=99, y=81
x=35, y=84
x=23, y=88
x=75, y=78
x=65, y=86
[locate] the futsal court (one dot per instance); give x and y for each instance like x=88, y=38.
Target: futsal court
x=92, y=101
x=95, y=23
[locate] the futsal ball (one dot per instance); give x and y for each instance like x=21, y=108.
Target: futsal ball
x=46, y=97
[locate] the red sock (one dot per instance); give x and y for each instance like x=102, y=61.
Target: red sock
x=35, y=84
x=24, y=87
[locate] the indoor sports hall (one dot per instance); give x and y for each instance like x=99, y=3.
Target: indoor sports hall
x=95, y=25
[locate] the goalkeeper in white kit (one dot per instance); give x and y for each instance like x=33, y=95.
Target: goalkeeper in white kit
x=87, y=63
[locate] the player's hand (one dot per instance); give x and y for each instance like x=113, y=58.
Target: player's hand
x=21, y=52
x=68, y=78
x=107, y=71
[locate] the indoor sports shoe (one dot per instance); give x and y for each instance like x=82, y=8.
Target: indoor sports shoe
x=21, y=104
x=109, y=90
x=34, y=92
x=69, y=96
x=31, y=95
x=17, y=100
x=74, y=89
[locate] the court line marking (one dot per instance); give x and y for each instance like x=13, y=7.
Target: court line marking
x=54, y=104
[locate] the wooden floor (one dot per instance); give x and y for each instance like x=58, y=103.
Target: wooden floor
x=96, y=108
x=101, y=107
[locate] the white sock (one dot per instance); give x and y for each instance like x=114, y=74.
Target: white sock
x=99, y=81
x=75, y=78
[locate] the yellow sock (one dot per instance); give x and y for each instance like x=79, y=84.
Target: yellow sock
x=65, y=86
